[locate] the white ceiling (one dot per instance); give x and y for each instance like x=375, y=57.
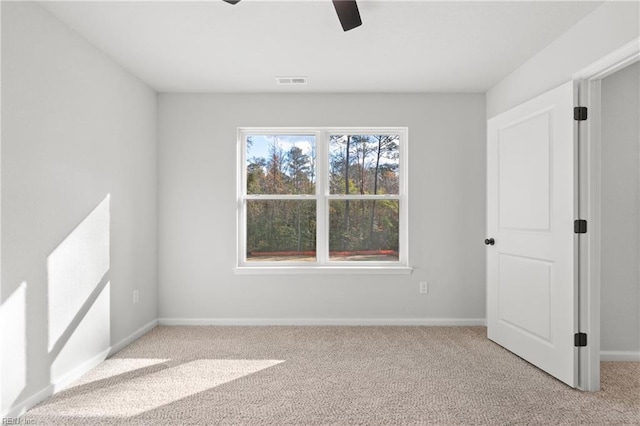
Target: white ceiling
x=402, y=46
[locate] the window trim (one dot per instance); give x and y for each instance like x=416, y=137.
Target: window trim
x=322, y=197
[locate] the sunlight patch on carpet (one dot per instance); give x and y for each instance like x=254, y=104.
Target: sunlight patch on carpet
x=114, y=367
x=150, y=391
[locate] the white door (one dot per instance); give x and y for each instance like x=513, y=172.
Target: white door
x=531, y=279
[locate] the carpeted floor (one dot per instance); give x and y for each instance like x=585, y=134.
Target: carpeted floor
x=332, y=376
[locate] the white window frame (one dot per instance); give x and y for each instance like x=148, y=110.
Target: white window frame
x=322, y=198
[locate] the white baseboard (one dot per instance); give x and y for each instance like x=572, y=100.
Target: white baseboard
x=619, y=355
x=444, y=322
x=133, y=336
x=20, y=408
x=77, y=372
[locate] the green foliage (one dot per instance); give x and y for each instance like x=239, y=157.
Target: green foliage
x=290, y=172
x=281, y=225
x=370, y=161
x=364, y=234
x=358, y=164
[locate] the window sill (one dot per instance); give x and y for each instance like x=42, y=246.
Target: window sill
x=322, y=270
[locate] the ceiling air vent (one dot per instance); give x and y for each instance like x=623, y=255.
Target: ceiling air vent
x=291, y=80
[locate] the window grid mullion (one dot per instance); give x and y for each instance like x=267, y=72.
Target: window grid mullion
x=322, y=228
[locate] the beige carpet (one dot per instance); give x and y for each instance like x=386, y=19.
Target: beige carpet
x=332, y=376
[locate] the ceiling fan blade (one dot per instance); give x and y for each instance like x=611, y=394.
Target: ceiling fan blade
x=348, y=13
x=232, y=1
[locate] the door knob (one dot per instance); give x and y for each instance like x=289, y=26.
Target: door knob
x=489, y=241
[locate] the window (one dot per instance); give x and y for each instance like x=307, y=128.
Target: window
x=322, y=199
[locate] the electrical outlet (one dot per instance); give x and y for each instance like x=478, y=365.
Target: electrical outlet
x=424, y=287
x=136, y=296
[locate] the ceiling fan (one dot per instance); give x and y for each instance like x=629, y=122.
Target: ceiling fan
x=347, y=11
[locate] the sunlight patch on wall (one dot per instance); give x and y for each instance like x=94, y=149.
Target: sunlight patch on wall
x=14, y=350
x=75, y=269
x=160, y=388
x=91, y=337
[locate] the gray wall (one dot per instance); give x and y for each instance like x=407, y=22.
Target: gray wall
x=197, y=211
x=620, y=309
x=607, y=28
x=78, y=202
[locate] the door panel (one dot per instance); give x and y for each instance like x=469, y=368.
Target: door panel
x=524, y=176
x=531, y=284
x=525, y=291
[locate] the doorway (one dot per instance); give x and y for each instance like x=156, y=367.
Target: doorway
x=590, y=81
x=620, y=215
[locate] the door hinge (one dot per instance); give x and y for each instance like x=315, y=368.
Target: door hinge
x=580, y=339
x=580, y=226
x=580, y=113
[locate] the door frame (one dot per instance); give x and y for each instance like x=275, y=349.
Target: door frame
x=589, y=82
